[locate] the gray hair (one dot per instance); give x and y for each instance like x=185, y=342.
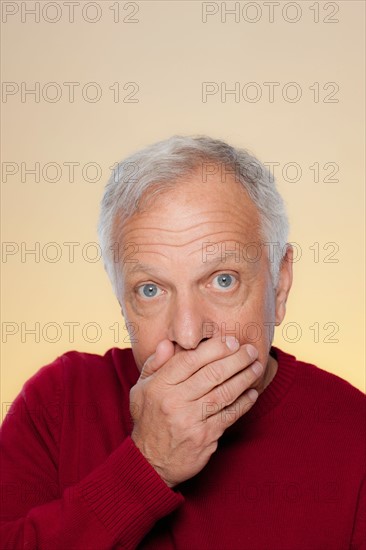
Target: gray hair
x=158, y=168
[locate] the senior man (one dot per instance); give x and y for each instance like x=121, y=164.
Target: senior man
x=204, y=436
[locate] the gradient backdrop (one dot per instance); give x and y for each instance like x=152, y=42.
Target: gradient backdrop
x=140, y=72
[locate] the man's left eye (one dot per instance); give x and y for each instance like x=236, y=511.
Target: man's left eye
x=224, y=280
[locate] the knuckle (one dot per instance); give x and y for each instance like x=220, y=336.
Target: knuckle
x=208, y=408
x=229, y=415
x=214, y=374
x=135, y=409
x=189, y=359
x=151, y=397
x=167, y=405
x=222, y=394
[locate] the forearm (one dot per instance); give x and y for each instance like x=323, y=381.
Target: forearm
x=117, y=503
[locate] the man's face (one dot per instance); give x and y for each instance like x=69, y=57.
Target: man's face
x=195, y=272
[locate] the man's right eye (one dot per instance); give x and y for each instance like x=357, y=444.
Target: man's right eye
x=148, y=290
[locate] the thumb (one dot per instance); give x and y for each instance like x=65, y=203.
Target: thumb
x=164, y=351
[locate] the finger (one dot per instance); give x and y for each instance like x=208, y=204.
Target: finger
x=227, y=416
x=216, y=373
x=226, y=394
x=164, y=351
x=187, y=362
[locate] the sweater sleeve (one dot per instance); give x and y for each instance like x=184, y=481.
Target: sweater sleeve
x=117, y=503
x=359, y=528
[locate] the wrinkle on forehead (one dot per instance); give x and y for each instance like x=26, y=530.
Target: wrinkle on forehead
x=191, y=212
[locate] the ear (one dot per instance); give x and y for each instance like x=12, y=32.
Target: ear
x=284, y=284
x=120, y=303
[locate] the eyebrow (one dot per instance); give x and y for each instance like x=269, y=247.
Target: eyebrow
x=211, y=262
x=140, y=266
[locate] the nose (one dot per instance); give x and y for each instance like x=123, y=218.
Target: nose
x=186, y=319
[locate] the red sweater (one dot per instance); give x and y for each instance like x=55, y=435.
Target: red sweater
x=289, y=475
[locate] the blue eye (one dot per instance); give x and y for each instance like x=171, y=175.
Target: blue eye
x=148, y=291
x=224, y=280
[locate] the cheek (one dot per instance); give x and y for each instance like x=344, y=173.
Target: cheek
x=256, y=319
x=258, y=308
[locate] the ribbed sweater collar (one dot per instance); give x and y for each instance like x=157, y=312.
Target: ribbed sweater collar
x=278, y=387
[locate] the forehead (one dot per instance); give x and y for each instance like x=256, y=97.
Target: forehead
x=195, y=207
x=190, y=226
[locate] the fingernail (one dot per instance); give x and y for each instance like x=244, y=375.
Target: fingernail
x=253, y=394
x=257, y=367
x=232, y=343
x=251, y=351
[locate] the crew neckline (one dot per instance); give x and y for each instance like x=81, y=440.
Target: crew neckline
x=277, y=388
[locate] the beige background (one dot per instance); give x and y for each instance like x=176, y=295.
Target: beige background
x=169, y=52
